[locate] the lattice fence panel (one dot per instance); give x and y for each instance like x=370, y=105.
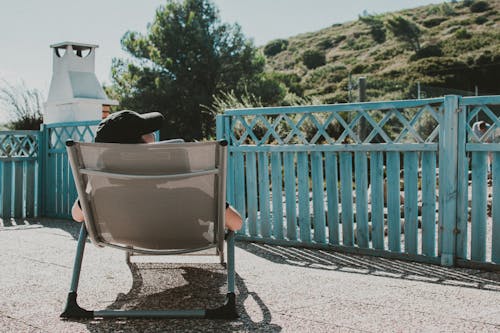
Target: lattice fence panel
x=391, y=125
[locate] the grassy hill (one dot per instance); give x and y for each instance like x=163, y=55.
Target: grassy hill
x=459, y=49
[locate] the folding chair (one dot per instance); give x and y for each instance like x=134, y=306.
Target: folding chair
x=131, y=196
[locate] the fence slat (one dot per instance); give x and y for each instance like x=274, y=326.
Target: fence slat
x=230, y=163
x=49, y=188
x=59, y=182
x=361, y=174
x=331, y=171
x=377, y=197
x=290, y=196
x=265, y=220
x=65, y=185
x=318, y=197
x=72, y=189
x=495, y=209
x=462, y=187
x=303, y=189
x=230, y=179
x=18, y=188
x=277, y=188
x=479, y=205
x=56, y=177
x=239, y=188
x=346, y=198
x=251, y=177
x=393, y=202
x=30, y=188
x=429, y=203
x=7, y=190
x=2, y=190
x=411, y=202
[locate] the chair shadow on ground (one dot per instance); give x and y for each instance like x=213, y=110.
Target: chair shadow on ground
x=163, y=286
x=199, y=288
x=377, y=266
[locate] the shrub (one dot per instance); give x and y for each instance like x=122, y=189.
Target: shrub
x=23, y=105
x=480, y=20
x=275, y=46
x=313, y=58
x=441, y=71
x=340, y=96
x=433, y=10
x=340, y=38
x=359, y=68
x=376, y=25
x=467, y=3
x=479, y=6
x=433, y=22
x=388, y=53
x=462, y=34
x=290, y=80
x=405, y=30
x=268, y=88
x=325, y=44
x=446, y=9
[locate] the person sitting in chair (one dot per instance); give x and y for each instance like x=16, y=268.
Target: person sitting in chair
x=131, y=127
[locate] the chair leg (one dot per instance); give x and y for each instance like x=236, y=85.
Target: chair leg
x=228, y=310
x=128, y=254
x=230, y=262
x=72, y=309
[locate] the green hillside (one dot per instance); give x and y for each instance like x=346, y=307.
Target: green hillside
x=458, y=48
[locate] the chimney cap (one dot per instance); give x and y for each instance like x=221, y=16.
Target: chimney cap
x=75, y=45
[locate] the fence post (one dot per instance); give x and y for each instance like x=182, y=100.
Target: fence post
x=42, y=166
x=463, y=185
x=219, y=127
x=448, y=180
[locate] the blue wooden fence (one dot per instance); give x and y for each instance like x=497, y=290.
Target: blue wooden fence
x=402, y=179
x=478, y=187
x=59, y=190
x=311, y=176
x=19, y=173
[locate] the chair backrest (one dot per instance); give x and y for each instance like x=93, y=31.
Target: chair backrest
x=152, y=198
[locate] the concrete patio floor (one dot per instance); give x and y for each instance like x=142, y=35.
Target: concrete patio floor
x=279, y=289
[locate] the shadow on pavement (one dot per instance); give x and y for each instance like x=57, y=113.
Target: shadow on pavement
x=164, y=286
x=359, y=264
x=199, y=288
x=69, y=226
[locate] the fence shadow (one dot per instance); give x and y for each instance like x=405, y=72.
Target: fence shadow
x=368, y=265
x=69, y=226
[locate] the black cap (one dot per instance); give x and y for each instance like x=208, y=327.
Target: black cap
x=127, y=126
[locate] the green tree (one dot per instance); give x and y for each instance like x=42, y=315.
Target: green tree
x=22, y=105
x=406, y=31
x=186, y=57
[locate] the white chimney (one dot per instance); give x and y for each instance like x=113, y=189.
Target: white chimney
x=75, y=94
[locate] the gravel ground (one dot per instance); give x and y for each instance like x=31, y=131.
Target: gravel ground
x=279, y=289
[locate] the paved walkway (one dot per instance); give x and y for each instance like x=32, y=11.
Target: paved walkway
x=280, y=289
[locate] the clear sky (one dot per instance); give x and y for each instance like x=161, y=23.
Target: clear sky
x=28, y=27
